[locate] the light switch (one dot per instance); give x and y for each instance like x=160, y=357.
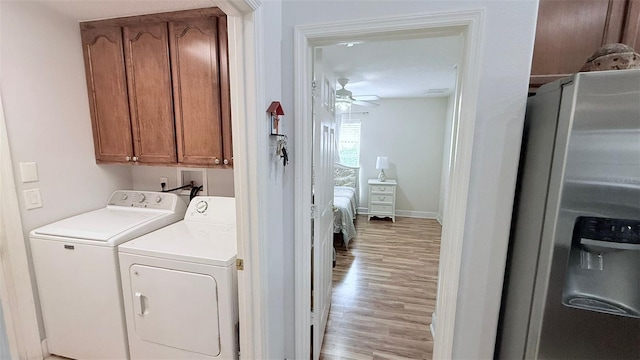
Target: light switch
x=32, y=199
x=29, y=172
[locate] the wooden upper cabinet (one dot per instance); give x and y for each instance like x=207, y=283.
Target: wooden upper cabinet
x=196, y=90
x=149, y=86
x=159, y=88
x=107, y=89
x=568, y=32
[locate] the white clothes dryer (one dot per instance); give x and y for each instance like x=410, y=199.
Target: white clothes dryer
x=180, y=286
x=77, y=272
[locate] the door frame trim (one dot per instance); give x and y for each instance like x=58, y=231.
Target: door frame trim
x=466, y=23
x=244, y=21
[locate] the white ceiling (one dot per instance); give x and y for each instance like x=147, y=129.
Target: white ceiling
x=83, y=10
x=397, y=68
x=387, y=68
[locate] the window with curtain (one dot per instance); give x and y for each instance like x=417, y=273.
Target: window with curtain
x=349, y=142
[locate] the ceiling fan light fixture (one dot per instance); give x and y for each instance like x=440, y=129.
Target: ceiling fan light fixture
x=343, y=103
x=344, y=97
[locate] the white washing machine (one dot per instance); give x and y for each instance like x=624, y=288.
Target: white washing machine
x=180, y=286
x=77, y=272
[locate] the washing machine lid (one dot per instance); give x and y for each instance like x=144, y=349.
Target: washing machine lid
x=104, y=225
x=203, y=243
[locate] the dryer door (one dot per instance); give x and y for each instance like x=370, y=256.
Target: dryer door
x=176, y=309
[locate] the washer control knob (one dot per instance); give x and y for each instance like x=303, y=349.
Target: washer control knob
x=141, y=198
x=202, y=207
x=158, y=199
x=124, y=197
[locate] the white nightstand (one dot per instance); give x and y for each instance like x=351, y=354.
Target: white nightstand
x=382, y=198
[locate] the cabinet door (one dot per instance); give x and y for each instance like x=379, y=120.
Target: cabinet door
x=631, y=33
x=568, y=32
x=107, y=88
x=225, y=94
x=196, y=90
x=149, y=84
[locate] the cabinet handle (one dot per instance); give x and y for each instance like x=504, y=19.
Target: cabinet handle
x=128, y=158
x=226, y=162
x=217, y=161
x=135, y=158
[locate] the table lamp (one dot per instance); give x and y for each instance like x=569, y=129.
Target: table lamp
x=382, y=163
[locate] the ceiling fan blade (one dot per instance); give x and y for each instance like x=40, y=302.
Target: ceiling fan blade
x=365, y=103
x=367, y=97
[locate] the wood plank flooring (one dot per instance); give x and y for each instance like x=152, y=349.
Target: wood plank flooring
x=384, y=291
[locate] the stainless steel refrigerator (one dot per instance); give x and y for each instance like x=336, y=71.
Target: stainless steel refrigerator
x=572, y=283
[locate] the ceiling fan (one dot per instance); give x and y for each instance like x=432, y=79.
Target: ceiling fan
x=344, y=96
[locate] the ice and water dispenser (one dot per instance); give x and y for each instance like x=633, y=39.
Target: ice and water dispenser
x=603, y=272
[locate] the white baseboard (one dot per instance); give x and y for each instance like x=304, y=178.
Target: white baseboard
x=407, y=213
x=439, y=218
x=417, y=214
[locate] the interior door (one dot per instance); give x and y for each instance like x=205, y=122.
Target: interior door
x=322, y=175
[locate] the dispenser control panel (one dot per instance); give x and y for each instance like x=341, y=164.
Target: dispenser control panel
x=614, y=230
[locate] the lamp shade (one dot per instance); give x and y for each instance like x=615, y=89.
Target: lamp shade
x=382, y=163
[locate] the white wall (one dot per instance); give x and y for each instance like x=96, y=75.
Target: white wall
x=278, y=305
x=47, y=114
x=410, y=132
x=219, y=181
x=505, y=60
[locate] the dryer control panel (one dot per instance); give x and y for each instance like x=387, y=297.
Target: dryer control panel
x=144, y=200
x=212, y=209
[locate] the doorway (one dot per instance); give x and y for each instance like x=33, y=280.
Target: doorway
x=433, y=25
x=397, y=102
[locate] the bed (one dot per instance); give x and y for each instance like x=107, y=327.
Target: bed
x=345, y=200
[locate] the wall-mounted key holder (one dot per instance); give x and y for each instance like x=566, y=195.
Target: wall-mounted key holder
x=275, y=111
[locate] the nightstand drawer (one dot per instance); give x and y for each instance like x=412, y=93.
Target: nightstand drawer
x=378, y=198
x=381, y=209
x=382, y=189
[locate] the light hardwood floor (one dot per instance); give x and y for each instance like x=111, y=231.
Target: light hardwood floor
x=384, y=291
